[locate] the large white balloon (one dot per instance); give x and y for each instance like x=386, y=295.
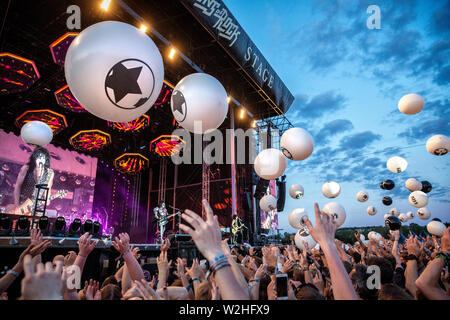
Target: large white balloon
x=303, y=235
x=336, y=212
x=296, y=191
x=396, y=164
x=411, y=103
x=331, y=189
x=438, y=145
x=114, y=70
x=403, y=217
x=199, y=103
x=394, y=212
x=373, y=235
x=371, y=210
x=362, y=237
x=423, y=213
x=418, y=199
x=296, y=218
x=297, y=144
x=410, y=215
x=270, y=164
x=412, y=184
x=362, y=196
x=436, y=228
x=36, y=133
x=268, y=203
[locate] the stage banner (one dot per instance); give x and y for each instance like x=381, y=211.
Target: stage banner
x=218, y=20
x=269, y=220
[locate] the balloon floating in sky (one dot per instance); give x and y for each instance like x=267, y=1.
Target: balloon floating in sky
x=394, y=212
x=393, y=223
x=411, y=104
x=387, y=185
x=387, y=201
x=270, y=164
x=436, y=228
x=412, y=184
x=114, y=70
x=396, y=164
x=336, y=212
x=268, y=203
x=418, y=199
x=36, y=133
x=403, y=217
x=373, y=235
x=371, y=210
x=297, y=144
x=199, y=103
x=426, y=187
x=296, y=218
x=362, y=196
x=423, y=213
x=410, y=215
x=438, y=145
x=296, y=191
x=301, y=236
x=331, y=189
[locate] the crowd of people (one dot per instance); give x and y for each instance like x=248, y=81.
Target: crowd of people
x=385, y=270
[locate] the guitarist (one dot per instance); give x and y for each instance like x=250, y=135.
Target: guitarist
x=237, y=227
x=36, y=171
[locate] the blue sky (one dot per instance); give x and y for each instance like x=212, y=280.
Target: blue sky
x=347, y=81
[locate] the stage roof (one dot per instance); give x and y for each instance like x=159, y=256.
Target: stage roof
x=205, y=31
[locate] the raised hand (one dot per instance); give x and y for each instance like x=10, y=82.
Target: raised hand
x=135, y=252
x=287, y=266
x=122, y=243
x=271, y=289
x=69, y=258
x=206, y=234
x=324, y=230
x=261, y=271
x=85, y=246
x=91, y=289
x=35, y=237
x=413, y=246
x=166, y=245
x=163, y=263
x=44, y=283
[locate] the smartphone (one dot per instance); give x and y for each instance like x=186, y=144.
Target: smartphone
x=282, y=286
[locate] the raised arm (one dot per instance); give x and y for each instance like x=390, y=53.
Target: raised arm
x=323, y=233
x=207, y=238
x=122, y=244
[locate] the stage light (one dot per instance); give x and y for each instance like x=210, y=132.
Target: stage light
x=59, y=227
x=88, y=226
x=105, y=4
x=97, y=229
x=44, y=225
x=22, y=227
x=75, y=227
x=143, y=28
x=242, y=114
x=5, y=226
x=254, y=124
x=228, y=99
x=172, y=53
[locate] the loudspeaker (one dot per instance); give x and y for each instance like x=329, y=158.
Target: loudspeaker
x=261, y=188
x=281, y=186
x=188, y=251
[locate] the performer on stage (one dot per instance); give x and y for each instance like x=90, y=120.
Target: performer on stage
x=237, y=230
x=161, y=216
x=36, y=171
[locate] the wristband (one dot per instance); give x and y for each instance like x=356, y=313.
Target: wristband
x=13, y=272
x=217, y=259
x=195, y=279
x=411, y=257
x=255, y=280
x=220, y=265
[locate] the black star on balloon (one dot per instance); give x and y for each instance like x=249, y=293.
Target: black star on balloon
x=178, y=100
x=123, y=81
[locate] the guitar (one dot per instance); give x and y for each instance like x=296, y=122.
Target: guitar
x=26, y=207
